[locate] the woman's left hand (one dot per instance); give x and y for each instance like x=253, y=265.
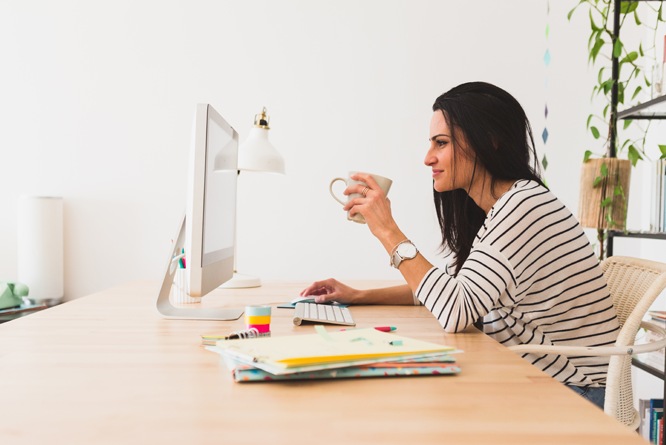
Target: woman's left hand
x=375, y=206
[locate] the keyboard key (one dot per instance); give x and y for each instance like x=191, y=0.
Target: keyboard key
x=329, y=313
x=322, y=312
x=346, y=315
x=313, y=311
x=306, y=311
x=338, y=315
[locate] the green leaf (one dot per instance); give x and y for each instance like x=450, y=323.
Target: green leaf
x=640, y=50
x=638, y=89
x=627, y=7
x=606, y=201
x=595, y=49
x=633, y=155
x=593, y=36
x=595, y=132
x=607, y=85
x=604, y=169
x=626, y=124
x=620, y=92
x=617, y=49
x=595, y=28
x=630, y=57
x=596, y=181
x=544, y=162
x=572, y=11
x=647, y=82
x=638, y=22
x=662, y=148
x=617, y=190
x=606, y=110
x=588, y=153
x=589, y=118
x=601, y=71
x=594, y=90
x=659, y=15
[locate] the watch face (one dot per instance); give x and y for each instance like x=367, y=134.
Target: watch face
x=407, y=250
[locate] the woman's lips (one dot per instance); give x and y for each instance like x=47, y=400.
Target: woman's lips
x=436, y=172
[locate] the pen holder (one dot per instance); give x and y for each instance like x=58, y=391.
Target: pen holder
x=180, y=287
x=259, y=318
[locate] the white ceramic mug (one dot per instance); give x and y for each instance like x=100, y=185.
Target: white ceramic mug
x=384, y=184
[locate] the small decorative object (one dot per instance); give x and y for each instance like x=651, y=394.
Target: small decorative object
x=40, y=248
x=180, y=288
x=603, y=198
x=11, y=294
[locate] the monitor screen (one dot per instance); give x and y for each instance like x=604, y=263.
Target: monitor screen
x=220, y=194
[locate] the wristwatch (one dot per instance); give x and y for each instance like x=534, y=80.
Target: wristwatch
x=405, y=250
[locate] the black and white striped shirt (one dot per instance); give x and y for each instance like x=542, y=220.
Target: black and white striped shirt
x=534, y=278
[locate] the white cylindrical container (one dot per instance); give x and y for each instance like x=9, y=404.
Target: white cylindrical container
x=40, y=247
x=180, y=288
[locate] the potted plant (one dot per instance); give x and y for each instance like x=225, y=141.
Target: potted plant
x=604, y=184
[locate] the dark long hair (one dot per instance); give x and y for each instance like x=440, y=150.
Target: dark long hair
x=499, y=138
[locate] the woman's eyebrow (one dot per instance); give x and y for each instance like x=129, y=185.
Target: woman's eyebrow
x=438, y=135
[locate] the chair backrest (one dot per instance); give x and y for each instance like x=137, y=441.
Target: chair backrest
x=634, y=284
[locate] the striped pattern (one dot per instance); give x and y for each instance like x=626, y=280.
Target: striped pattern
x=533, y=277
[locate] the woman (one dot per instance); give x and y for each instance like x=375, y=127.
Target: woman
x=520, y=260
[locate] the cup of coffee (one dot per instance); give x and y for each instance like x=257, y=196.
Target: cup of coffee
x=384, y=184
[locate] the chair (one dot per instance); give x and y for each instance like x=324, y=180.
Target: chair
x=634, y=284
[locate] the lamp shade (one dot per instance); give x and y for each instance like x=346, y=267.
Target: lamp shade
x=257, y=154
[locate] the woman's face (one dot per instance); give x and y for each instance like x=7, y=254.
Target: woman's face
x=440, y=157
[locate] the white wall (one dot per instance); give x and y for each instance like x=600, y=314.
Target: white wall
x=97, y=102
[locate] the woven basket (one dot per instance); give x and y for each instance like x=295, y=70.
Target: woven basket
x=590, y=213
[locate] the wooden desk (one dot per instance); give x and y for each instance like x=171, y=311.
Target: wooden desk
x=106, y=369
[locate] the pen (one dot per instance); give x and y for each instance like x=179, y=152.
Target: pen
x=380, y=328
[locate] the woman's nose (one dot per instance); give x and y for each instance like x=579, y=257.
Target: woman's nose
x=430, y=159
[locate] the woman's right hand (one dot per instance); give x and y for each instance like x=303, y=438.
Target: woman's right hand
x=332, y=290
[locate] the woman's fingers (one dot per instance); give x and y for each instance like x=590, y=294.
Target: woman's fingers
x=319, y=287
x=368, y=180
x=353, y=202
x=312, y=288
x=355, y=188
x=326, y=298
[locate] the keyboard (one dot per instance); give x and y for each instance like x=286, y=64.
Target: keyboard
x=322, y=313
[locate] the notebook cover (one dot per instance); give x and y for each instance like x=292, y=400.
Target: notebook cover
x=327, y=347
x=244, y=373
x=282, y=371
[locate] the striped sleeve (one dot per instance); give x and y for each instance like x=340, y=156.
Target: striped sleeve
x=459, y=301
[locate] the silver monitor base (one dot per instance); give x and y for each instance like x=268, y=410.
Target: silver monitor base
x=164, y=306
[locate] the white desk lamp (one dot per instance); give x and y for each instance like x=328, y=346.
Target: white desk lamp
x=256, y=154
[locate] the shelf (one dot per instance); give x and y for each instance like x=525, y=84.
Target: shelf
x=647, y=368
x=637, y=234
x=653, y=109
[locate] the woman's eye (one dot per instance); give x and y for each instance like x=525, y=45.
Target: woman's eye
x=441, y=143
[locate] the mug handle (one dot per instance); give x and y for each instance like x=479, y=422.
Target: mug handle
x=330, y=188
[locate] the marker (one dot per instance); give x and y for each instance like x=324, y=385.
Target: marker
x=380, y=328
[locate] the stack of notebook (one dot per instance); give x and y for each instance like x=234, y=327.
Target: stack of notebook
x=324, y=355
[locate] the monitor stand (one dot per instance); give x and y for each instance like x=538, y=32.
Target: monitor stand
x=164, y=306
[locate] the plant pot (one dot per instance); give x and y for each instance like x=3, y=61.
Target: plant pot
x=590, y=212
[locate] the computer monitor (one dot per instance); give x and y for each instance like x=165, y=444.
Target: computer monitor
x=207, y=231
